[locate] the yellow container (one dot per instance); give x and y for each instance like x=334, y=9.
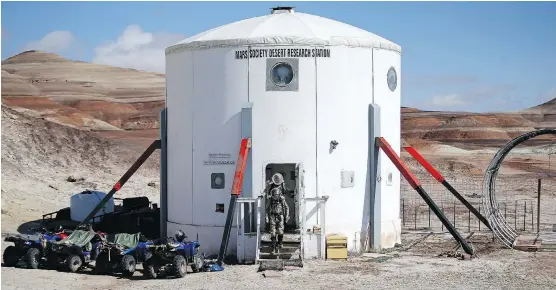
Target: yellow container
x=336, y=247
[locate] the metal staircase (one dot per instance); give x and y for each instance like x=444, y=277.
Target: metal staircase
x=291, y=248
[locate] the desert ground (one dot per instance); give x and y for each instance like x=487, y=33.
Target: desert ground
x=69, y=126
x=416, y=268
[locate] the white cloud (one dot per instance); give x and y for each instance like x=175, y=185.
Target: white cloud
x=136, y=49
x=55, y=41
x=447, y=101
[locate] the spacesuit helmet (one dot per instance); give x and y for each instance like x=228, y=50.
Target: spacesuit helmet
x=180, y=235
x=277, y=179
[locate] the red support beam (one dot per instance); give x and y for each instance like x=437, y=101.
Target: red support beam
x=236, y=190
x=240, y=166
x=446, y=184
x=387, y=149
x=425, y=163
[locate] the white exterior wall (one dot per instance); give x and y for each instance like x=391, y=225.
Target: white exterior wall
x=179, y=100
x=344, y=94
x=390, y=129
x=206, y=90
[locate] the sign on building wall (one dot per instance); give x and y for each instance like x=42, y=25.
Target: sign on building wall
x=281, y=52
x=219, y=159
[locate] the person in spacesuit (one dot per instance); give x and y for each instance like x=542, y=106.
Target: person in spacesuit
x=277, y=213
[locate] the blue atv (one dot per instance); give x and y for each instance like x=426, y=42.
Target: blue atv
x=120, y=253
x=169, y=256
x=76, y=251
x=29, y=248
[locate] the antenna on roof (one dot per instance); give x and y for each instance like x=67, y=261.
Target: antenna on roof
x=282, y=9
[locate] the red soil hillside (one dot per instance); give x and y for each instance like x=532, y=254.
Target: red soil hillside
x=80, y=94
x=125, y=103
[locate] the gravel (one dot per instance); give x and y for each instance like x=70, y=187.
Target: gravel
x=415, y=269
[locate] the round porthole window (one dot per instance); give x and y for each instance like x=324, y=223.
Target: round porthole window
x=392, y=79
x=282, y=74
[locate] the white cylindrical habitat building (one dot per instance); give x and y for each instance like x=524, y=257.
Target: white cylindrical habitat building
x=302, y=88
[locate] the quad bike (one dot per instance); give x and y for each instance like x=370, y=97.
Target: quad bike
x=30, y=248
x=76, y=251
x=165, y=256
x=120, y=253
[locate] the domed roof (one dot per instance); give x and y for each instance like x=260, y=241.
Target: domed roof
x=284, y=26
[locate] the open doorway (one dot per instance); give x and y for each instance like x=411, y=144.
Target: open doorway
x=288, y=171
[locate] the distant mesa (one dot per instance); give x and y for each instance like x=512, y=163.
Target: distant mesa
x=34, y=56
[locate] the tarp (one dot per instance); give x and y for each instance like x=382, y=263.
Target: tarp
x=78, y=237
x=126, y=240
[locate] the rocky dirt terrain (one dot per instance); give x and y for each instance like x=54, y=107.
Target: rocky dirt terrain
x=69, y=126
x=39, y=157
x=421, y=267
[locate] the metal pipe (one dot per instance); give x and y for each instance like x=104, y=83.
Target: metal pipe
x=538, y=204
x=501, y=227
x=444, y=220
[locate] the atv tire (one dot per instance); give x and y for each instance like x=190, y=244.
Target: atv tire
x=73, y=263
x=32, y=258
x=179, y=266
x=128, y=265
x=149, y=270
x=52, y=260
x=11, y=256
x=198, y=262
x=101, y=264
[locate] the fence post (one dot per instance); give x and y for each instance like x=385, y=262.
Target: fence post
x=469, y=221
x=455, y=214
x=429, y=217
x=524, y=214
x=515, y=216
x=442, y=205
x=532, y=218
x=479, y=221
x=403, y=211
x=416, y=216
x=538, y=204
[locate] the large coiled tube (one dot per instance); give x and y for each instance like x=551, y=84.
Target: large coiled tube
x=500, y=227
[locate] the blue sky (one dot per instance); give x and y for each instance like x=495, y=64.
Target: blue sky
x=471, y=56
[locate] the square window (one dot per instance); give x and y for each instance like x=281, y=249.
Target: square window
x=220, y=207
x=217, y=181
